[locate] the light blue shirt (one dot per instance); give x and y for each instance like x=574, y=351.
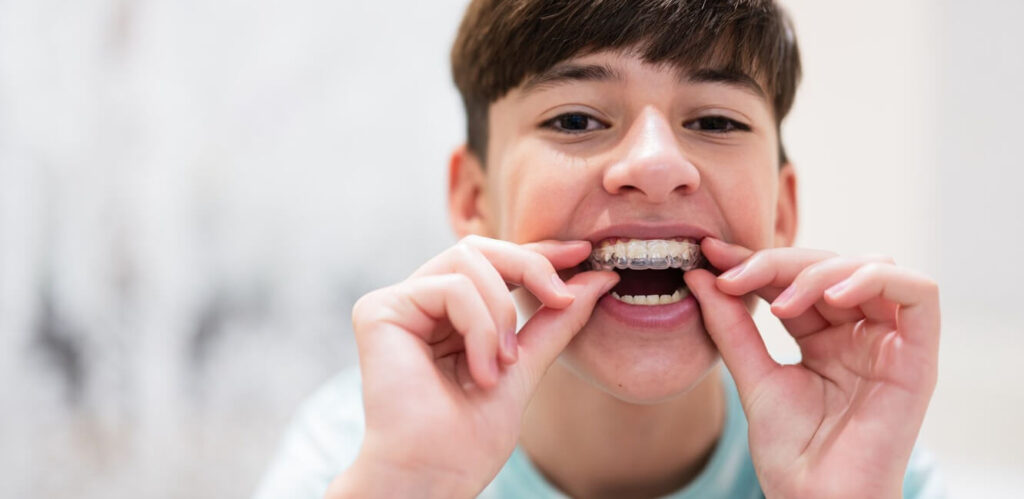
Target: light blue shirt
x=325, y=435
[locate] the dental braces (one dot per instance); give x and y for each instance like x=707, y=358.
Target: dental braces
x=655, y=256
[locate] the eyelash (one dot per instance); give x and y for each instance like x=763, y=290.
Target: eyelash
x=554, y=121
x=730, y=125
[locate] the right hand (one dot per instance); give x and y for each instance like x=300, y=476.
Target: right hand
x=445, y=379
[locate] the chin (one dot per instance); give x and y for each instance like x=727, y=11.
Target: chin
x=640, y=367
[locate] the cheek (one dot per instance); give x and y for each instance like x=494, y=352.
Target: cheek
x=747, y=200
x=540, y=191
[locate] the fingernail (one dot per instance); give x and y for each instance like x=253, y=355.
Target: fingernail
x=733, y=272
x=510, y=344
x=560, y=286
x=785, y=296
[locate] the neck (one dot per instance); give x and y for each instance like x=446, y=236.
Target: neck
x=591, y=444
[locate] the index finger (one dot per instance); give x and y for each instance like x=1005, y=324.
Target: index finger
x=530, y=265
x=534, y=265
x=766, y=272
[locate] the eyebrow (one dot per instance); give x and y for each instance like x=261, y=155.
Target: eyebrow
x=728, y=77
x=561, y=74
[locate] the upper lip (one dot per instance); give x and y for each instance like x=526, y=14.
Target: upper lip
x=648, y=231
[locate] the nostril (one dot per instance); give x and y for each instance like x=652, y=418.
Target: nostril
x=686, y=188
x=623, y=189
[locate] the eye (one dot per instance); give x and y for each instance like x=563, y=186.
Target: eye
x=574, y=123
x=716, y=124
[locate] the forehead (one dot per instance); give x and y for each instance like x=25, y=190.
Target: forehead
x=621, y=66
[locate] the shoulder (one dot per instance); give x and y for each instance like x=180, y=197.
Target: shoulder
x=321, y=440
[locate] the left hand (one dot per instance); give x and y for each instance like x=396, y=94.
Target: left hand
x=843, y=422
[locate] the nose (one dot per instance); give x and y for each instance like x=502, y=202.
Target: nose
x=654, y=163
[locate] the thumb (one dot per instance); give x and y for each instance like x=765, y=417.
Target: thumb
x=730, y=326
x=550, y=330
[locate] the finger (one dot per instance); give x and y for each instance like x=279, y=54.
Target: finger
x=467, y=260
x=454, y=343
x=518, y=265
x=878, y=309
x=531, y=266
x=773, y=268
x=548, y=332
x=451, y=297
x=722, y=255
x=916, y=295
x=730, y=326
x=561, y=254
x=766, y=273
x=810, y=284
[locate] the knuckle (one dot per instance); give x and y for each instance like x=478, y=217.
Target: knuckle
x=815, y=272
x=762, y=257
x=365, y=310
x=472, y=240
x=464, y=250
x=461, y=283
x=539, y=263
x=873, y=269
x=767, y=257
x=880, y=257
x=819, y=271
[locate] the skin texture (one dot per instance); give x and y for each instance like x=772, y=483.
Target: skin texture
x=608, y=410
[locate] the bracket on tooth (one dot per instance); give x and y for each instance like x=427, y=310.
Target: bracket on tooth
x=647, y=255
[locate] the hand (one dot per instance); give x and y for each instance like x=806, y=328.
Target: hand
x=843, y=422
x=442, y=413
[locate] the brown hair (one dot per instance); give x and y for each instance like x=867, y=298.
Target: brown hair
x=500, y=43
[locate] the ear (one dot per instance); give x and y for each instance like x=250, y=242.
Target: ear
x=467, y=210
x=785, y=209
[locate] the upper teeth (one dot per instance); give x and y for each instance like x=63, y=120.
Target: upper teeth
x=645, y=254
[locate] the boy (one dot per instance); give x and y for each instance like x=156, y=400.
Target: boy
x=618, y=152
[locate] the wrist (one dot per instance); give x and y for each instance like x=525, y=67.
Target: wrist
x=370, y=479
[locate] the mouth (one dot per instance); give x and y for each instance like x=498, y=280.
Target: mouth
x=651, y=270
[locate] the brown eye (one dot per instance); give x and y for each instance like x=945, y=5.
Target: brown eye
x=574, y=123
x=716, y=124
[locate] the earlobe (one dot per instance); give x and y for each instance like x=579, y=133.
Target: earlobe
x=786, y=207
x=466, y=187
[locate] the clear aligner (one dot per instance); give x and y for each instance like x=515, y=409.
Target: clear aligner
x=657, y=254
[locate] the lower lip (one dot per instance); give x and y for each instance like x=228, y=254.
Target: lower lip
x=668, y=316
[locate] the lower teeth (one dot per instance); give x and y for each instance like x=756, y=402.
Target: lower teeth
x=653, y=299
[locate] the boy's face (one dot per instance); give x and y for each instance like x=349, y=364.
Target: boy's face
x=610, y=146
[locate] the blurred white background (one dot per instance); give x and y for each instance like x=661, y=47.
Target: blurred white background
x=193, y=193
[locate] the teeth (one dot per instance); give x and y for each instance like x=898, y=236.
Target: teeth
x=659, y=254
x=641, y=254
x=653, y=299
x=618, y=256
